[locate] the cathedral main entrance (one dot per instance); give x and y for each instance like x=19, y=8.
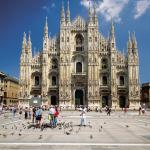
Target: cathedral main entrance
x=79, y=97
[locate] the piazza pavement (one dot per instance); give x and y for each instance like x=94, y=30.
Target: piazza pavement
x=120, y=131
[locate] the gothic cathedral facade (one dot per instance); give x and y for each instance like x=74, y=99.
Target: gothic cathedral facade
x=80, y=67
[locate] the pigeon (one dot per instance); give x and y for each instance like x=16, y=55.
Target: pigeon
x=78, y=130
x=40, y=137
x=71, y=130
x=127, y=126
x=91, y=136
x=12, y=134
x=100, y=129
x=68, y=133
x=19, y=134
x=4, y=135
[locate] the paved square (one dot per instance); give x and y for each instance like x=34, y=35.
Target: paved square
x=118, y=131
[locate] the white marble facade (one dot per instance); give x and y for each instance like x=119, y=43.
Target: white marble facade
x=80, y=67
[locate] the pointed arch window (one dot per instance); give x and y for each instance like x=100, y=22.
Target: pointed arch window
x=54, y=80
x=104, y=80
x=121, y=80
x=54, y=64
x=37, y=81
x=78, y=67
x=79, y=42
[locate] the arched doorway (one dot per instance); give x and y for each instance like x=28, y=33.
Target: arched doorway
x=104, y=101
x=53, y=100
x=122, y=102
x=79, y=97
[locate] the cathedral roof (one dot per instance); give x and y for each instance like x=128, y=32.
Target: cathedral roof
x=79, y=24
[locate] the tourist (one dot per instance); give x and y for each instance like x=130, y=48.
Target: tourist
x=26, y=113
x=33, y=114
x=1, y=109
x=51, y=113
x=14, y=111
x=83, y=117
x=56, y=113
x=38, y=116
x=140, y=109
x=108, y=111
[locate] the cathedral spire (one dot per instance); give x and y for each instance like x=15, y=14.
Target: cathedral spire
x=90, y=12
x=112, y=30
x=95, y=14
x=134, y=40
x=134, y=44
x=129, y=42
x=29, y=43
x=68, y=13
x=46, y=29
x=24, y=43
x=112, y=35
x=62, y=14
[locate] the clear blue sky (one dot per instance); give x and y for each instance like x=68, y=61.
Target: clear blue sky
x=17, y=16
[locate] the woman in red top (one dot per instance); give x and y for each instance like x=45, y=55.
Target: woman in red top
x=56, y=116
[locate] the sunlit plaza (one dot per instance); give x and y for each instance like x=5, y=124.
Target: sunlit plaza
x=120, y=131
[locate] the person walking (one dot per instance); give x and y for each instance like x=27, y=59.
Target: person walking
x=51, y=113
x=140, y=109
x=83, y=117
x=108, y=111
x=39, y=116
x=33, y=114
x=56, y=117
x=26, y=113
x=14, y=111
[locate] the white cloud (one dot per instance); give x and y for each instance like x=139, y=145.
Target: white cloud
x=53, y=5
x=45, y=8
x=109, y=8
x=141, y=7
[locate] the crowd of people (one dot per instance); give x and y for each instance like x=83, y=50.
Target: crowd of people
x=53, y=116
